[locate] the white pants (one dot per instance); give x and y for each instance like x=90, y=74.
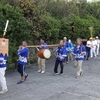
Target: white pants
x=2, y=78
x=70, y=57
x=97, y=50
x=78, y=65
x=41, y=64
x=93, y=52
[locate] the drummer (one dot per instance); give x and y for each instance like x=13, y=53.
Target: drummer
x=41, y=62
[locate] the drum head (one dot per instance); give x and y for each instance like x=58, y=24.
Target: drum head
x=47, y=53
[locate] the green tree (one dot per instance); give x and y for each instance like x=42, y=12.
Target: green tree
x=18, y=29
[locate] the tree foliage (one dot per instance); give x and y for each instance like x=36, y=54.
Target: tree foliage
x=30, y=19
x=18, y=30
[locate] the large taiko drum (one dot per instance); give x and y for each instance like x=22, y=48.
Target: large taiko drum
x=44, y=53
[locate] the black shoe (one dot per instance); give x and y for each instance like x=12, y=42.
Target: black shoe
x=26, y=77
x=56, y=74
x=20, y=82
x=81, y=73
x=60, y=73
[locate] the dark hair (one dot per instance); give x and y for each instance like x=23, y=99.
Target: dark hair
x=25, y=42
x=42, y=38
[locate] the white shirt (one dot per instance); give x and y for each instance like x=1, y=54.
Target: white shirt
x=94, y=43
x=89, y=44
x=98, y=41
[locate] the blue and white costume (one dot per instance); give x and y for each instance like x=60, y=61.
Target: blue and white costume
x=23, y=54
x=61, y=53
x=43, y=46
x=67, y=45
x=3, y=59
x=22, y=61
x=77, y=52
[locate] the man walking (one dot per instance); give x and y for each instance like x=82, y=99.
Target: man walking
x=79, y=53
x=23, y=52
x=41, y=62
x=61, y=54
x=3, y=59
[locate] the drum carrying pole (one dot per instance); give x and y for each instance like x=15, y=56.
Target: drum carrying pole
x=35, y=46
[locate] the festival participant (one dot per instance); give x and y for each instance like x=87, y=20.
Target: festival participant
x=70, y=50
x=65, y=40
x=79, y=53
x=23, y=53
x=61, y=54
x=3, y=59
x=98, y=45
x=93, y=48
x=66, y=43
x=41, y=62
x=88, y=48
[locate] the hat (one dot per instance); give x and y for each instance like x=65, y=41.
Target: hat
x=91, y=38
x=64, y=38
x=96, y=37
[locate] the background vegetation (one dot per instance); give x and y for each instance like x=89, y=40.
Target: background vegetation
x=30, y=19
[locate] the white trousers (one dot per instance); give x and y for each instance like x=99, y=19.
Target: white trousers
x=97, y=49
x=93, y=52
x=41, y=64
x=2, y=78
x=78, y=65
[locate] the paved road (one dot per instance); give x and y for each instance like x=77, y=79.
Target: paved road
x=48, y=87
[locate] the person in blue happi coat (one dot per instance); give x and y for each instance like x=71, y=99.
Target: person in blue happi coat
x=67, y=45
x=79, y=53
x=61, y=54
x=71, y=47
x=41, y=61
x=23, y=53
x=3, y=65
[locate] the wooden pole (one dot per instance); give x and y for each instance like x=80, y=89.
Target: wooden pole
x=35, y=46
x=91, y=31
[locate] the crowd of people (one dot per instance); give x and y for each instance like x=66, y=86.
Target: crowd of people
x=65, y=52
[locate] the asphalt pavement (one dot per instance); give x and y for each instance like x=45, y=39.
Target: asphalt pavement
x=61, y=87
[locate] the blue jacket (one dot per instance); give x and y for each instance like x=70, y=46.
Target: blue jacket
x=61, y=53
x=44, y=46
x=67, y=45
x=77, y=52
x=23, y=54
x=3, y=59
x=71, y=47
